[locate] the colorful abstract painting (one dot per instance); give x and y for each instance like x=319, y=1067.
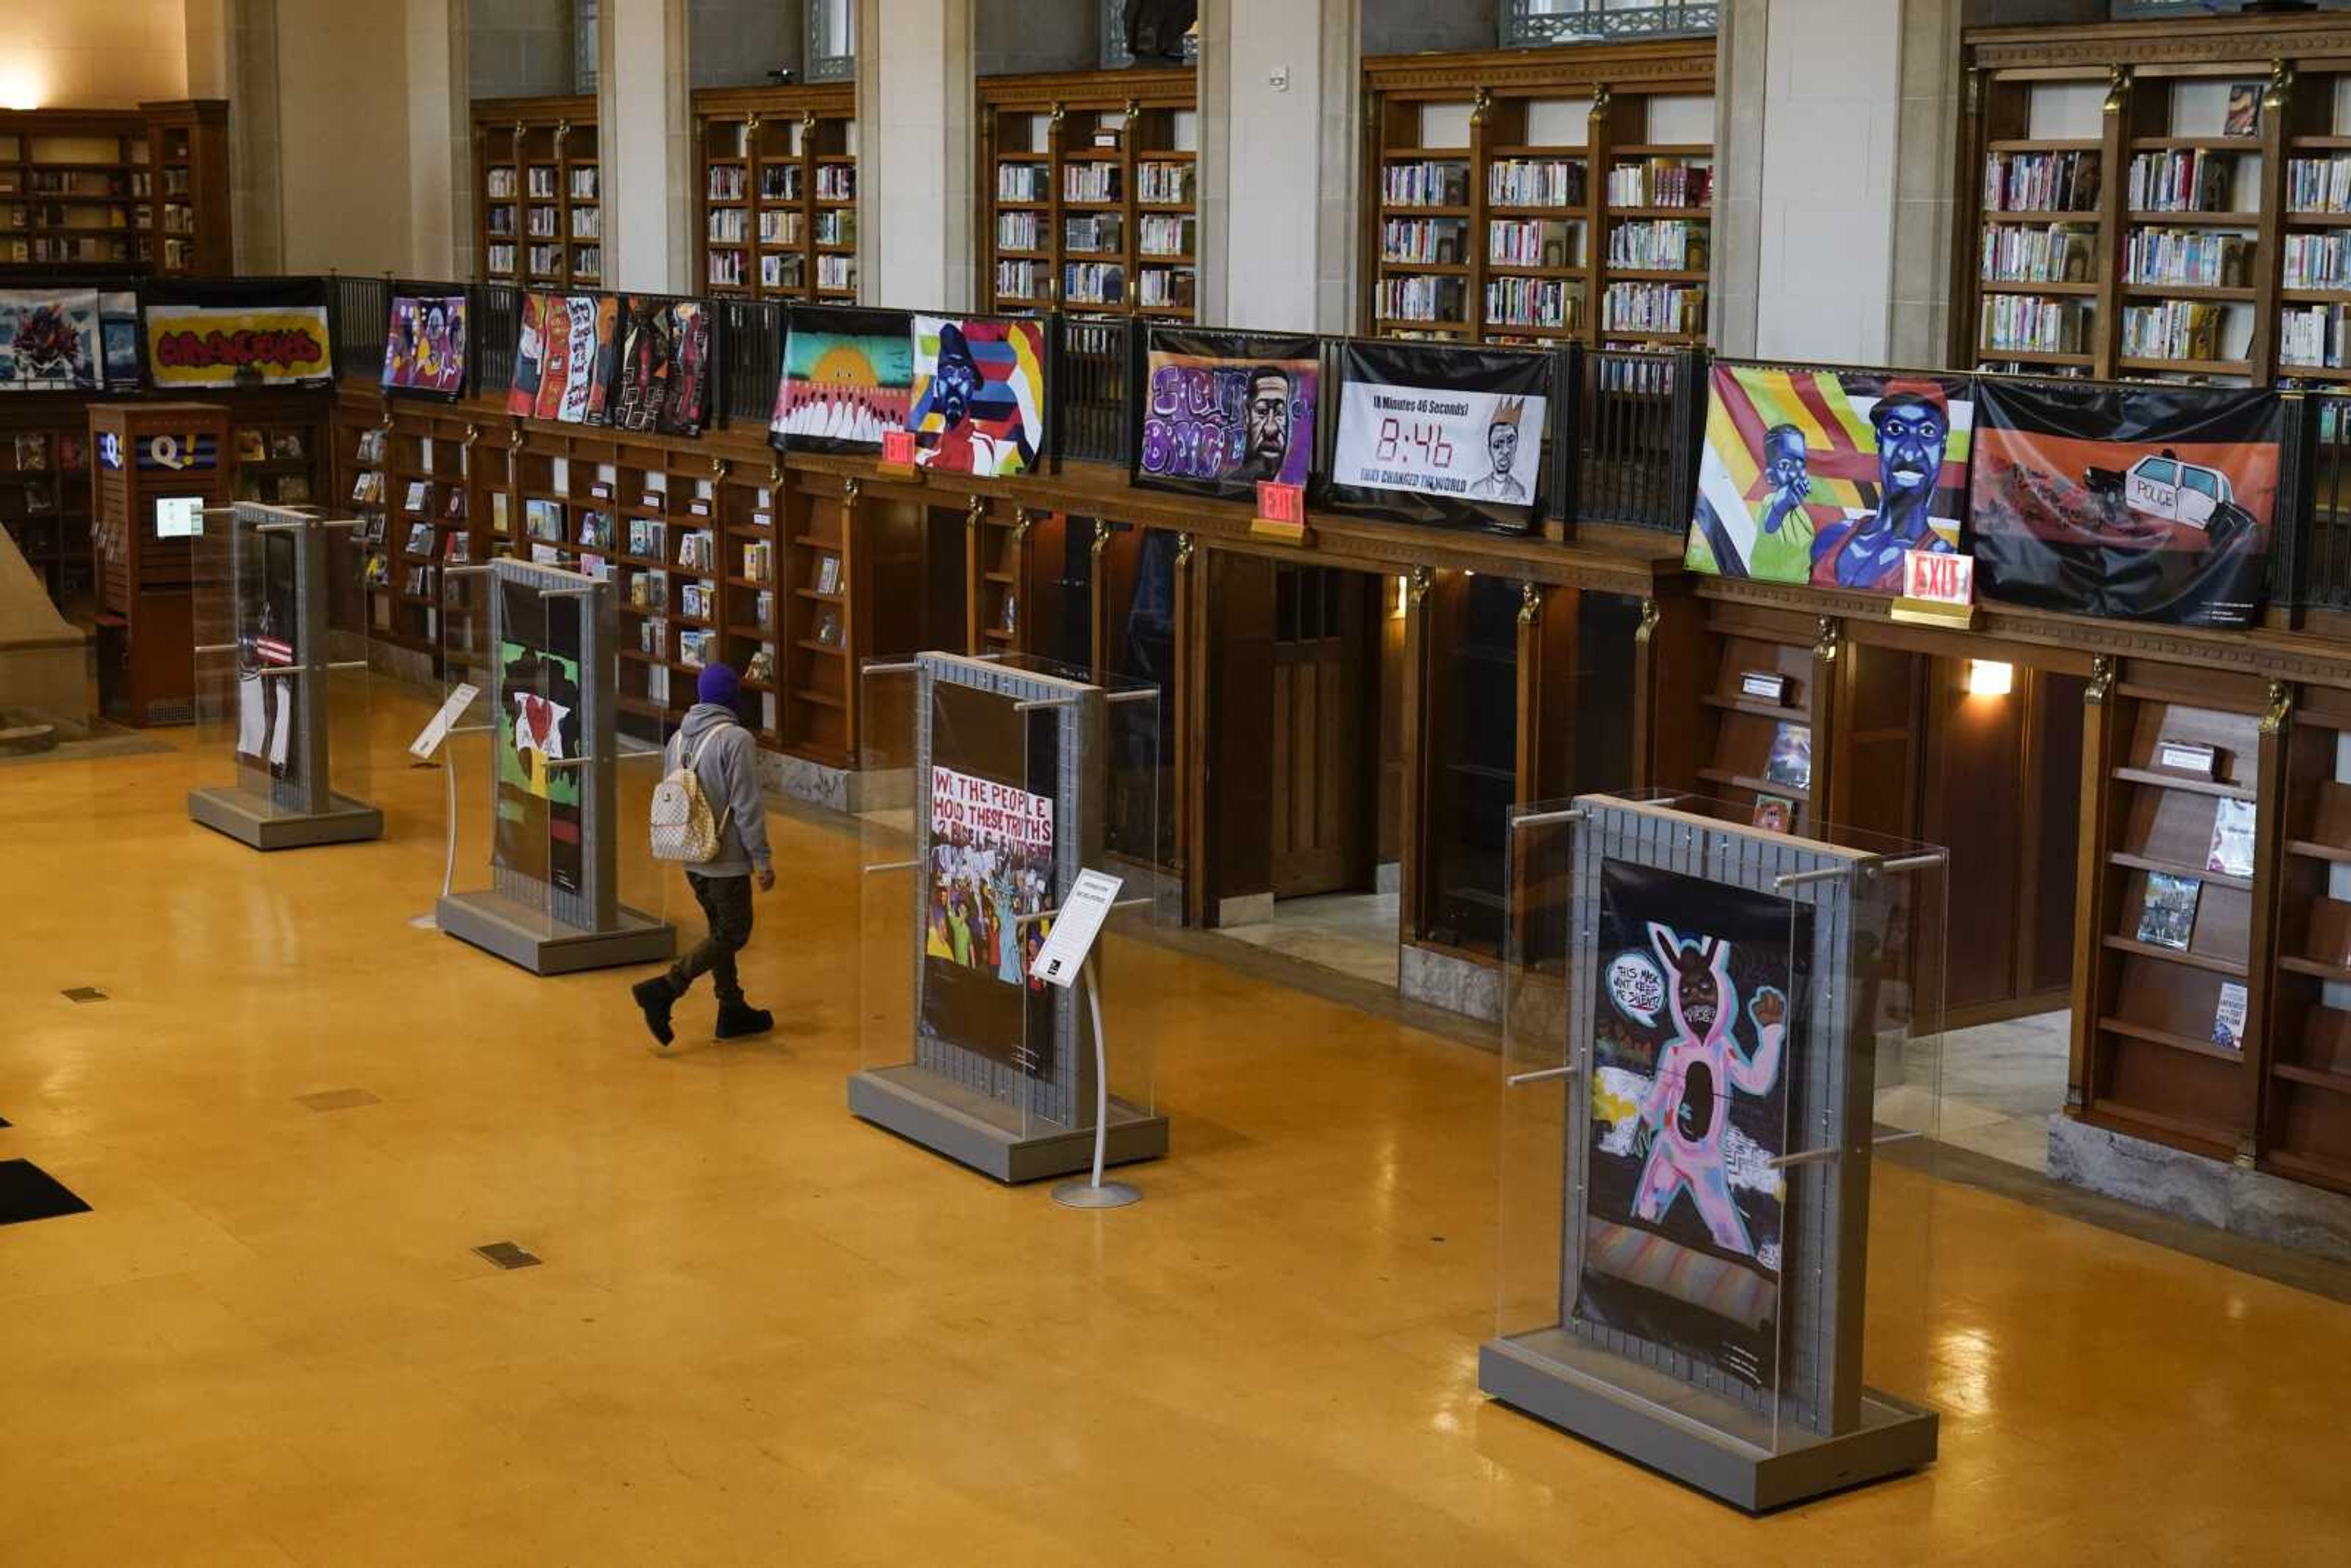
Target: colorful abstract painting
x=848, y=377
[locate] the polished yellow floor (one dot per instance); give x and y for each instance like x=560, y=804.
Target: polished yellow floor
x=767, y=1333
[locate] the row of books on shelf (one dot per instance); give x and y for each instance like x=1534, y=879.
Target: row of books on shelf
x=1165, y=288
x=2182, y=180
x=1420, y=298
x=785, y=270
x=836, y=228
x=1436, y=241
x=1658, y=244
x=1019, y=231
x=2040, y=181
x=836, y=273
x=2318, y=184
x=1534, y=242
x=836, y=182
x=1535, y=302
x=2022, y=323
x=2315, y=337
x=1161, y=234
x=728, y=225
x=779, y=228
x=1090, y=183
x=2204, y=259
x=50, y=214
x=1093, y=283
x=2173, y=330
x=1661, y=182
x=1429, y=182
x=1095, y=233
x=1023, y=182
x=1535, y=182
x=2318, y=260
x=1162, y=183
x=1022, y=279
x=1678, y=308
x=725, y=182
x=780, y=181
x=67, y=247
x=2060, y=253
x=33, y=455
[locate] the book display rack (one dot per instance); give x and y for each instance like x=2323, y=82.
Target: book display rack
x=540, y=189
x=777, y=214
x=1528, y=196
x=1089, y=190
x=44, y=497
x=2306, y=1098
x=144, y=190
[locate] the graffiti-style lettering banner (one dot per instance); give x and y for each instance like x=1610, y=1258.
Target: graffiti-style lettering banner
x=2138, y=503
x=1450, y=436
x=1226, y=409
x=226, y=334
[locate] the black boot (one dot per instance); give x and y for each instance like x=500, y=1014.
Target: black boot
x=736, y=1019
x=656, y=997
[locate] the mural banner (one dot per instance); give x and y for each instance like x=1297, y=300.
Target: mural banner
x=2138, y=503
x=664, y=366
x=51, y=342
x=979, y=395
x=1449, y=437
x=1829, y=476
x=223, y=332
x=425, y=343
x=538, y=722
x=848, y=376
x=1224, y=410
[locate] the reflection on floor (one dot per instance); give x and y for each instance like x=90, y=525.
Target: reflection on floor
x=2001, y=1082
x=1354, y=933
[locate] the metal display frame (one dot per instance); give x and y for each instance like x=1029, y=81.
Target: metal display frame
x=1817, y=1427
x=527, y=921
x=260, y=810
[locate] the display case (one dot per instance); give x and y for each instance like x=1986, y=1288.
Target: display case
x=272, y=682
x=1722, y=1059
x=990, y=784
x=556, y=875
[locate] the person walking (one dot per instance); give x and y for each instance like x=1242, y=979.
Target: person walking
x=726, y=763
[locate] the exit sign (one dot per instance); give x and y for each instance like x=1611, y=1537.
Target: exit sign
x=1938, y=587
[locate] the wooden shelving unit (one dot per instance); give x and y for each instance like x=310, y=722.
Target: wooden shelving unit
x=1735, y=732
x=2305, y=1099
x=44, y=494
x=822, y=621
x=539, y=190
x=143, y=189
x=777, y=215
x=2210, y=249
x=1089, y=189
x=1533, y=195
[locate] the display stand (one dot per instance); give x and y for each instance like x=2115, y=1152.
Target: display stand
x=999, y=777
x=1697, y=1013
x=539, y=644
x=267, y=683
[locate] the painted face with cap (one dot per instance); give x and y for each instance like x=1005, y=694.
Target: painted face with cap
x=1911, y=433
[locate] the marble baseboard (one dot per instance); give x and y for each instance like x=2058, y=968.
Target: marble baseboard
x=1457, y=985
x=1253, y=909
x=2229, y=1197
x=1388, y=877
x=797, y=777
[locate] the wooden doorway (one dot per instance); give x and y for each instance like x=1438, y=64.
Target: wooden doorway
x=1326, y=730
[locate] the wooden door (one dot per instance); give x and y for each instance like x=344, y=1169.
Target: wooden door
x=1325, y=787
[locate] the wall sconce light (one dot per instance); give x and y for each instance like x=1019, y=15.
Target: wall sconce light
x=20, y=87
x=1989, y=678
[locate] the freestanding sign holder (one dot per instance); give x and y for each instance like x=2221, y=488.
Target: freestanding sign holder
x=268, y=686
x=1698, y=1017
x=540, y=643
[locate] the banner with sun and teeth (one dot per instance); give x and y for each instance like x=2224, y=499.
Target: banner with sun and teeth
x=1829, y=476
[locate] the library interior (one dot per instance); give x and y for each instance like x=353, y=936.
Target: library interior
x=1792, y=1049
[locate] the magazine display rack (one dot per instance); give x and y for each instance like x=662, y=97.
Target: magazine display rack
x=991, y=783
x=271, y=679
x=562, y=880
x=1710, y=1031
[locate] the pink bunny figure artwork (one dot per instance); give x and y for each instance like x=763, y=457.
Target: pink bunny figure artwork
x=1686, y=1113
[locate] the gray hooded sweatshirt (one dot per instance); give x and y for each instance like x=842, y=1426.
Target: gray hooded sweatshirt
x=727, y=764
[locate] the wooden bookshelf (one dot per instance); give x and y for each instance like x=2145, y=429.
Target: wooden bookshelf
x=777, y=195
x=136, y=189
x=1734, y=732
x=1528, y=196
x=539, y=187
x=1088, y=192
x=45, y=493
x=2236, y=271
x=2305, y=1093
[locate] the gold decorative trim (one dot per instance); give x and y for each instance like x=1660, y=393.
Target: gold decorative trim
x=514, y=440
x=2102, y=681
x=1830, y=642
x=974, y=511
x=1530, y=602
x=1417, y=585
x=1101, y=538
x=472, y=434
x=1480, y=102
x=775, y=480
x=1184, y=552
x=850, y=489
x=2118, y=85
x=2281, y=704
x=2280, y=85
x=720, y=467
x=1650, y=616
x=1600, y=100
x=1021, y=518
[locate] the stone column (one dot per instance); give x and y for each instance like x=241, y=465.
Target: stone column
x=233, y=54
x=645, y=145
x=439, y=141
x=916, y=147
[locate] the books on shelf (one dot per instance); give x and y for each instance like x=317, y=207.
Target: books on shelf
x=2029, y=324
x=763, y=610
x=1535, y=182
x=1534, y=242
x=541, y=182
x=1021, y=231
x=836, y=182
x=1022, y=182
x=726, y=271
x=499, y=184
x=2059, y=253
x=1661, y=182
x=699, y=551
x=1093, y=234
x=2173, y=330
x=2167, y=912
x=1164, y=234
x=1790, y=761
x=2318, y=184
x=649, y=591
x=694, y=599
x=1168, y=286
x=2228, y=1017
x=2318, y=260
x=2314, y=337
x=762, y=667
x=1022, y=279
x=695, y=647
x=1423, y=240
x=836, y=272
x=1090, y=181
x=836, y=228
x=781, y=271
x=1533, y=302
x=2040, y=181
x=779, y=228
x=727, y=226
x=725, y=182
x=596, y=530
x=1093, y=283
x=2181, y=180
x=583, y=183
x=1429, y=182
x=2244, y=115
x=758, y=559
x=1654, y=307
x=828, y=574
x=780, y=181
x=2206, y=258
x=2231, y=850
x=1421, y=298
x=647, y=537
x=1162, y=181
x=1658, y=244
x=543, y=520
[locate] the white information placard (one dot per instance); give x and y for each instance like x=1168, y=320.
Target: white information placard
x=436, y=729
x=1075, y=926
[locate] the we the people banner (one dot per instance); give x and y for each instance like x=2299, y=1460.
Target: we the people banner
x=236, y=332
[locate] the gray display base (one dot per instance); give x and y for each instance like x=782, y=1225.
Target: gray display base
x=1697, y=1437
x=985, y=1133
x=249, y=818
x=531, y=938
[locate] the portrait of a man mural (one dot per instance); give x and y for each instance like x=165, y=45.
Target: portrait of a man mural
x=1913, y=423
x=1502, y=451
x=1267, y=417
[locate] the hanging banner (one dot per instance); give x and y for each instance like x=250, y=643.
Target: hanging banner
x=2133, y=503
x=979, y=395
x=664, y=366
x=567, y=358
x=424, y=343
x=847, y=378
x=1829, y=476
x=1225, y=411
x=1450, y=436
x=236, y=332
x=51, y=342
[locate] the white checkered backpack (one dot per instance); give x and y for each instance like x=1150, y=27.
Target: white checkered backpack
x=684, y=828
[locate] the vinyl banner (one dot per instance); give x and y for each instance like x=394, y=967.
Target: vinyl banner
x=1829, y=476
x=1693, y=1021
x=50, y=340
x=979, y=395
x=664, y=366
x=239, y=332
x=1451, y=436
x=539, y=723
x=424, y=343
x=848, y=376
x=2138, y=503
x=1225, y=410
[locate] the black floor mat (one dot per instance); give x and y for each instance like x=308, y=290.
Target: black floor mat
x=28, y=1192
